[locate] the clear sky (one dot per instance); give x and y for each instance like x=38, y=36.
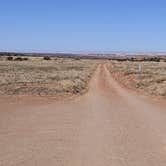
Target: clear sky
x=83, y=25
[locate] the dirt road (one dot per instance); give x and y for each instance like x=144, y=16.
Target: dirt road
x=108, y=126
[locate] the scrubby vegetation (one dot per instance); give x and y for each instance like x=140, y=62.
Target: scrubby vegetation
x=47, y=58
x=151, y=79
x=139, y=58
x=40, y=77
x=21, y=59
x=9, y=58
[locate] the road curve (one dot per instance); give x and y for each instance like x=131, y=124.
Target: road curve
x=108, y=126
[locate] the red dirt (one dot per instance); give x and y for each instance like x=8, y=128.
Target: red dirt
x=109, y=125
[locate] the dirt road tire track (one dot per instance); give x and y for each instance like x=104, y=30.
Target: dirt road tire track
x=108, y=126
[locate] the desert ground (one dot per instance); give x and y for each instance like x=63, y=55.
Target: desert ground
x=40, y=77
x=150, y=78
x=115, y=118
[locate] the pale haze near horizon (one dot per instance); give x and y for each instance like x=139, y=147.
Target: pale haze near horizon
x=83, y=26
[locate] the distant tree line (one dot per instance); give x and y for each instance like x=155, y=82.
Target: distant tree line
x=139, y=58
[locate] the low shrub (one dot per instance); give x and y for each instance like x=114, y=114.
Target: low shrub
x=46, y=58
x=25, y=59
x=18, y=59
x=77, y=58
x=21, y=59
x=9, y=58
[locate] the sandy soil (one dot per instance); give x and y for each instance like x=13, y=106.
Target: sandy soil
x=109, y=126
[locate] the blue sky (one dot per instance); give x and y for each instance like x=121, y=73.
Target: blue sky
x=83, y=25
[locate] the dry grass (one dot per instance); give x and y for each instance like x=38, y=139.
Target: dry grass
x=151, y=80
x=40, y=77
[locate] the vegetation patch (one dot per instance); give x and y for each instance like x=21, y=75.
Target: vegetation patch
x=50, y=77
x=151, y=78
x=47, y=58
